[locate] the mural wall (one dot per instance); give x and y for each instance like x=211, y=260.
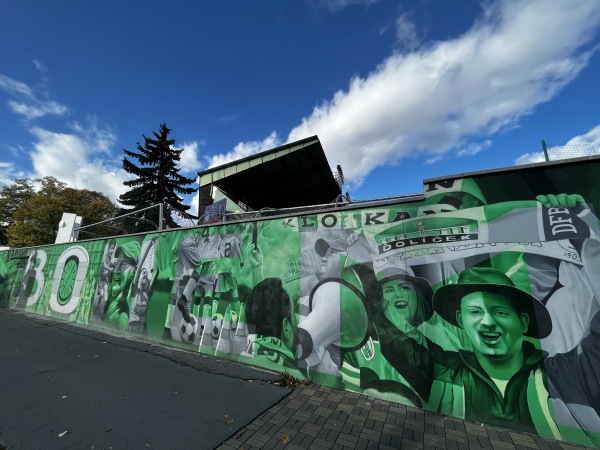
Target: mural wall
x=479, y=302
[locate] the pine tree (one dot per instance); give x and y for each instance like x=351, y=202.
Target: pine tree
x=157, y=178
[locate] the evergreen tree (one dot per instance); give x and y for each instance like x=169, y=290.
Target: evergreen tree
x=157, y=179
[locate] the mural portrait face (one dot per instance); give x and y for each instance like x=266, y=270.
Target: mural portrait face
x=329, y=265
x=400, y=300
x=493, y=324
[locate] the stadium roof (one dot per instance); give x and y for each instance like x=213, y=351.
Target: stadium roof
x=295, y=174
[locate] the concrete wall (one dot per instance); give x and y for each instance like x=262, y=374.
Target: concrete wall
x=480, y=301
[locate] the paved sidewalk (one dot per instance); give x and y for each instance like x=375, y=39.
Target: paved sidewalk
x=316, y=417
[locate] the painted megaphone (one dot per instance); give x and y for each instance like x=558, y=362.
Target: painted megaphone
x=337, y=317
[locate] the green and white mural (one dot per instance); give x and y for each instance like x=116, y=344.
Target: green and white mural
x=480, y=302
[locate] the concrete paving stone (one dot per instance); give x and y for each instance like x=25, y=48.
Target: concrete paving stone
x=398, y=408
x=396, y=441
x=521, y=436
x=411, y=445
x=434, y=437
x=325, y=412
x=484, y=442
x=311, y=429
x=431, y=443
x=226, y=447
x=387, y=447
x=434, y=420
x=504, y=435
x=267, y=427
x=501, y=445
x=386, y=439
x=542, y=444
x=332, y=436
x=478, y=429
x=459, y=425
x=454, y=433
x=316, y=446
x=393, y=429
x=320, y=420
x=270, y=444
x=356, y=420
x=566, y=446
x=371, y=437
x=414, y=425
x=347, y=437
x=234, y=442
x=362, y=444
x=280, y=421
x=333, y=425
x=553, y=444
x=342, y=415
x=301, y=415
x=254, y=443
x=344, y=408
x=345, y=442
x=457, y=439
x=526, y=443
x=261, y=437
x=347, y=428
x=377, y=415
x=307, y=439
x=294, y=447
x=254, y=426
x=244, y=435
x=472, y=438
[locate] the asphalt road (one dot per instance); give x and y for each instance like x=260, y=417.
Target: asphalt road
x=69, y=387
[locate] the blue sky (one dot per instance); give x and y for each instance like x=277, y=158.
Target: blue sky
x=397, y=91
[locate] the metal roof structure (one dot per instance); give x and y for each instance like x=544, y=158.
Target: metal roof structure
x=295, y=174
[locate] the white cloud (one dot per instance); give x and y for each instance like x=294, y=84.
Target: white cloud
x=8, y=173
x=587, y=144
x=189, y=157
x=194, y=204
x=244, y=149
x=71, y=158
x=39, y=109
x=592, y=137
x=517, y=56
x=474, y=148
x=28, y=103
x=406, y=32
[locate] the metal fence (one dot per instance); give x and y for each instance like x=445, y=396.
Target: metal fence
x=558, y=152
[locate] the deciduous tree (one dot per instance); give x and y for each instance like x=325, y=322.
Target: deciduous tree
x=35, y=221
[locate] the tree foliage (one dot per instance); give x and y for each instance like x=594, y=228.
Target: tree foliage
x=157, y=179
x=38, y=205
x=12, y=197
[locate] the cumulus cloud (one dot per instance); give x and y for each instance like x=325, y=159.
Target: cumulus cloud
x=189, y=157
x=28, y=103
x=244, y=149
x=587, y=144
x=444, y=96
x=73, y=158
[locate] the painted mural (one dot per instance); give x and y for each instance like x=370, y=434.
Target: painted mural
x=481, y=301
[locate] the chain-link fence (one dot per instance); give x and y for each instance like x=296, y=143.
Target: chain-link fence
x=558, y=152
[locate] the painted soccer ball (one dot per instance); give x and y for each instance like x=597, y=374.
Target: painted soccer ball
x=189, y=331
x=217, y=324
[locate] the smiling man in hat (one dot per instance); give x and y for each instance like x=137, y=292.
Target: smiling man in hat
x=504, y=381
x=495, y=382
